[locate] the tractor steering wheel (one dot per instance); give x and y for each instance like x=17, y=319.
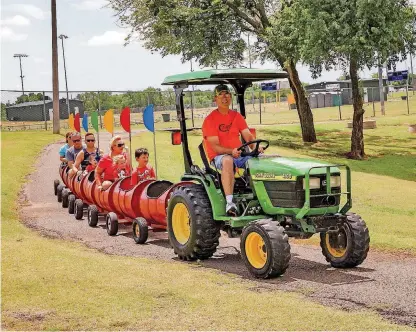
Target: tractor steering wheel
x=255, y=151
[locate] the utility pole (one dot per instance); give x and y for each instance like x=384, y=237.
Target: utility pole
x=62, y=37
x=55, y=79
x=381, y=87
x=20, y=56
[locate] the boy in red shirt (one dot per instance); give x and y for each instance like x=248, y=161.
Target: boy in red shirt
x=143, y=171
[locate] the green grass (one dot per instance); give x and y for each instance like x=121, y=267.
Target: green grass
x=383, y=186
x=58, y=285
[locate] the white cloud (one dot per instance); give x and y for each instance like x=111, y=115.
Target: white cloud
x=108, y=38
x=30, y=10
x=7, y=34
x=17, y=20
x=90, y=4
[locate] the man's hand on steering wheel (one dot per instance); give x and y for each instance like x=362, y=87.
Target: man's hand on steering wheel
x=236, y=153
x=257, y=149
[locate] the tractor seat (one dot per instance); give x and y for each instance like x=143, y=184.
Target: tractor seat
x=238, y=172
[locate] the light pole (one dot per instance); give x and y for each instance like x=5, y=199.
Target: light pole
x=20, y=56
x=62, y=37
x=249, y=62
x=55, y=78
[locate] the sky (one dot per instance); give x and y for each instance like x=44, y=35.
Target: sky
x=95, y=56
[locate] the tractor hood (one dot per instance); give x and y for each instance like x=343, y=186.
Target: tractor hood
x=280, y=168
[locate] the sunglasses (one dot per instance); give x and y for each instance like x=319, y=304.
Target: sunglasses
x=90, y=140
x=120, y=145
x=76, y=140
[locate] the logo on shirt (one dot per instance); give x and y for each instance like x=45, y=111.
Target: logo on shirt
x=224, y=128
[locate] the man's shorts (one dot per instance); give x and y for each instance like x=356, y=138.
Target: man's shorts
x=239, y=162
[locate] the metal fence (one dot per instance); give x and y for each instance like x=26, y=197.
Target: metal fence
x=33, y=111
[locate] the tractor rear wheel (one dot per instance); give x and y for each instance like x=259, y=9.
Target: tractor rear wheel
x=59, y=192
x=193, y=233
x=92, y=215
x=78, y=209
x=349, y=246
x=265, y=248
x=55, y=186
x=71, y=204
x=111, y=223
x=140, y=230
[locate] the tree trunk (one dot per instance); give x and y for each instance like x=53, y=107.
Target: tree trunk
x=302, y=104
x=357, y=136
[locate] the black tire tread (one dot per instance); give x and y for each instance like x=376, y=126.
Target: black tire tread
x=207, y=230
x=279, y=241
x=360, y=243
x=71, y=204
x=79, y=209
x=93, y=211
x=144, y=230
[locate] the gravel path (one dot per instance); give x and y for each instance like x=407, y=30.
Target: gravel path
x=384, y=283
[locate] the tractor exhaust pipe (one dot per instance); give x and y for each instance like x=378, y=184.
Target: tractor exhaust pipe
x=329, y=200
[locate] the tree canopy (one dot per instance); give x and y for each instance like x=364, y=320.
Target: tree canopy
x=352, y=34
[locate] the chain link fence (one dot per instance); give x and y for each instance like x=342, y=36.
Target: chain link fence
x=33, y=110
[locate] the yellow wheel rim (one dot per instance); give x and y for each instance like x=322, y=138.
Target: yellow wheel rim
x=137, y=229
x=256, y=250
x=181, y=223
x=334, y=248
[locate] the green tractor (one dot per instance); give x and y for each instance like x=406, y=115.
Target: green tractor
x=277, y=197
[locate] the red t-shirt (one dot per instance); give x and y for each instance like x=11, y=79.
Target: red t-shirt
x=226, y=126
x=112, y=171
x=142, y=173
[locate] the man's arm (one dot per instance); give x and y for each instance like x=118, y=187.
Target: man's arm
x=214, y=141
x=70, y=158
x=78, y=160
x=248, y=137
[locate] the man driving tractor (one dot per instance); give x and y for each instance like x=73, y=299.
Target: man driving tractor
x=221, y=130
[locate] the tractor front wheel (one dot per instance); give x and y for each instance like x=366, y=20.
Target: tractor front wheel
x=349, y=246
x=193, y=233
x=140, y=230
x=265, y=249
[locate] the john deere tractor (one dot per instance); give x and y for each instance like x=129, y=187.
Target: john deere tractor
x=277, y=197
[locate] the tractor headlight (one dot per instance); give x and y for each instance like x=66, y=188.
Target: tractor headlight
x=314, y=183
x=335, y=181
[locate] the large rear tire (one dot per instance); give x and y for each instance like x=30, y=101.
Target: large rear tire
x=348, y=247
x=265, y=249
x=193, y=233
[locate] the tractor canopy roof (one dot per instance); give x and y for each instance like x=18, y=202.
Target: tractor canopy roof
x=224, y=76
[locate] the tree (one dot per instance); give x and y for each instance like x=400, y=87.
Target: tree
x=353, y=34
x=211, y=32
x=3, y=112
